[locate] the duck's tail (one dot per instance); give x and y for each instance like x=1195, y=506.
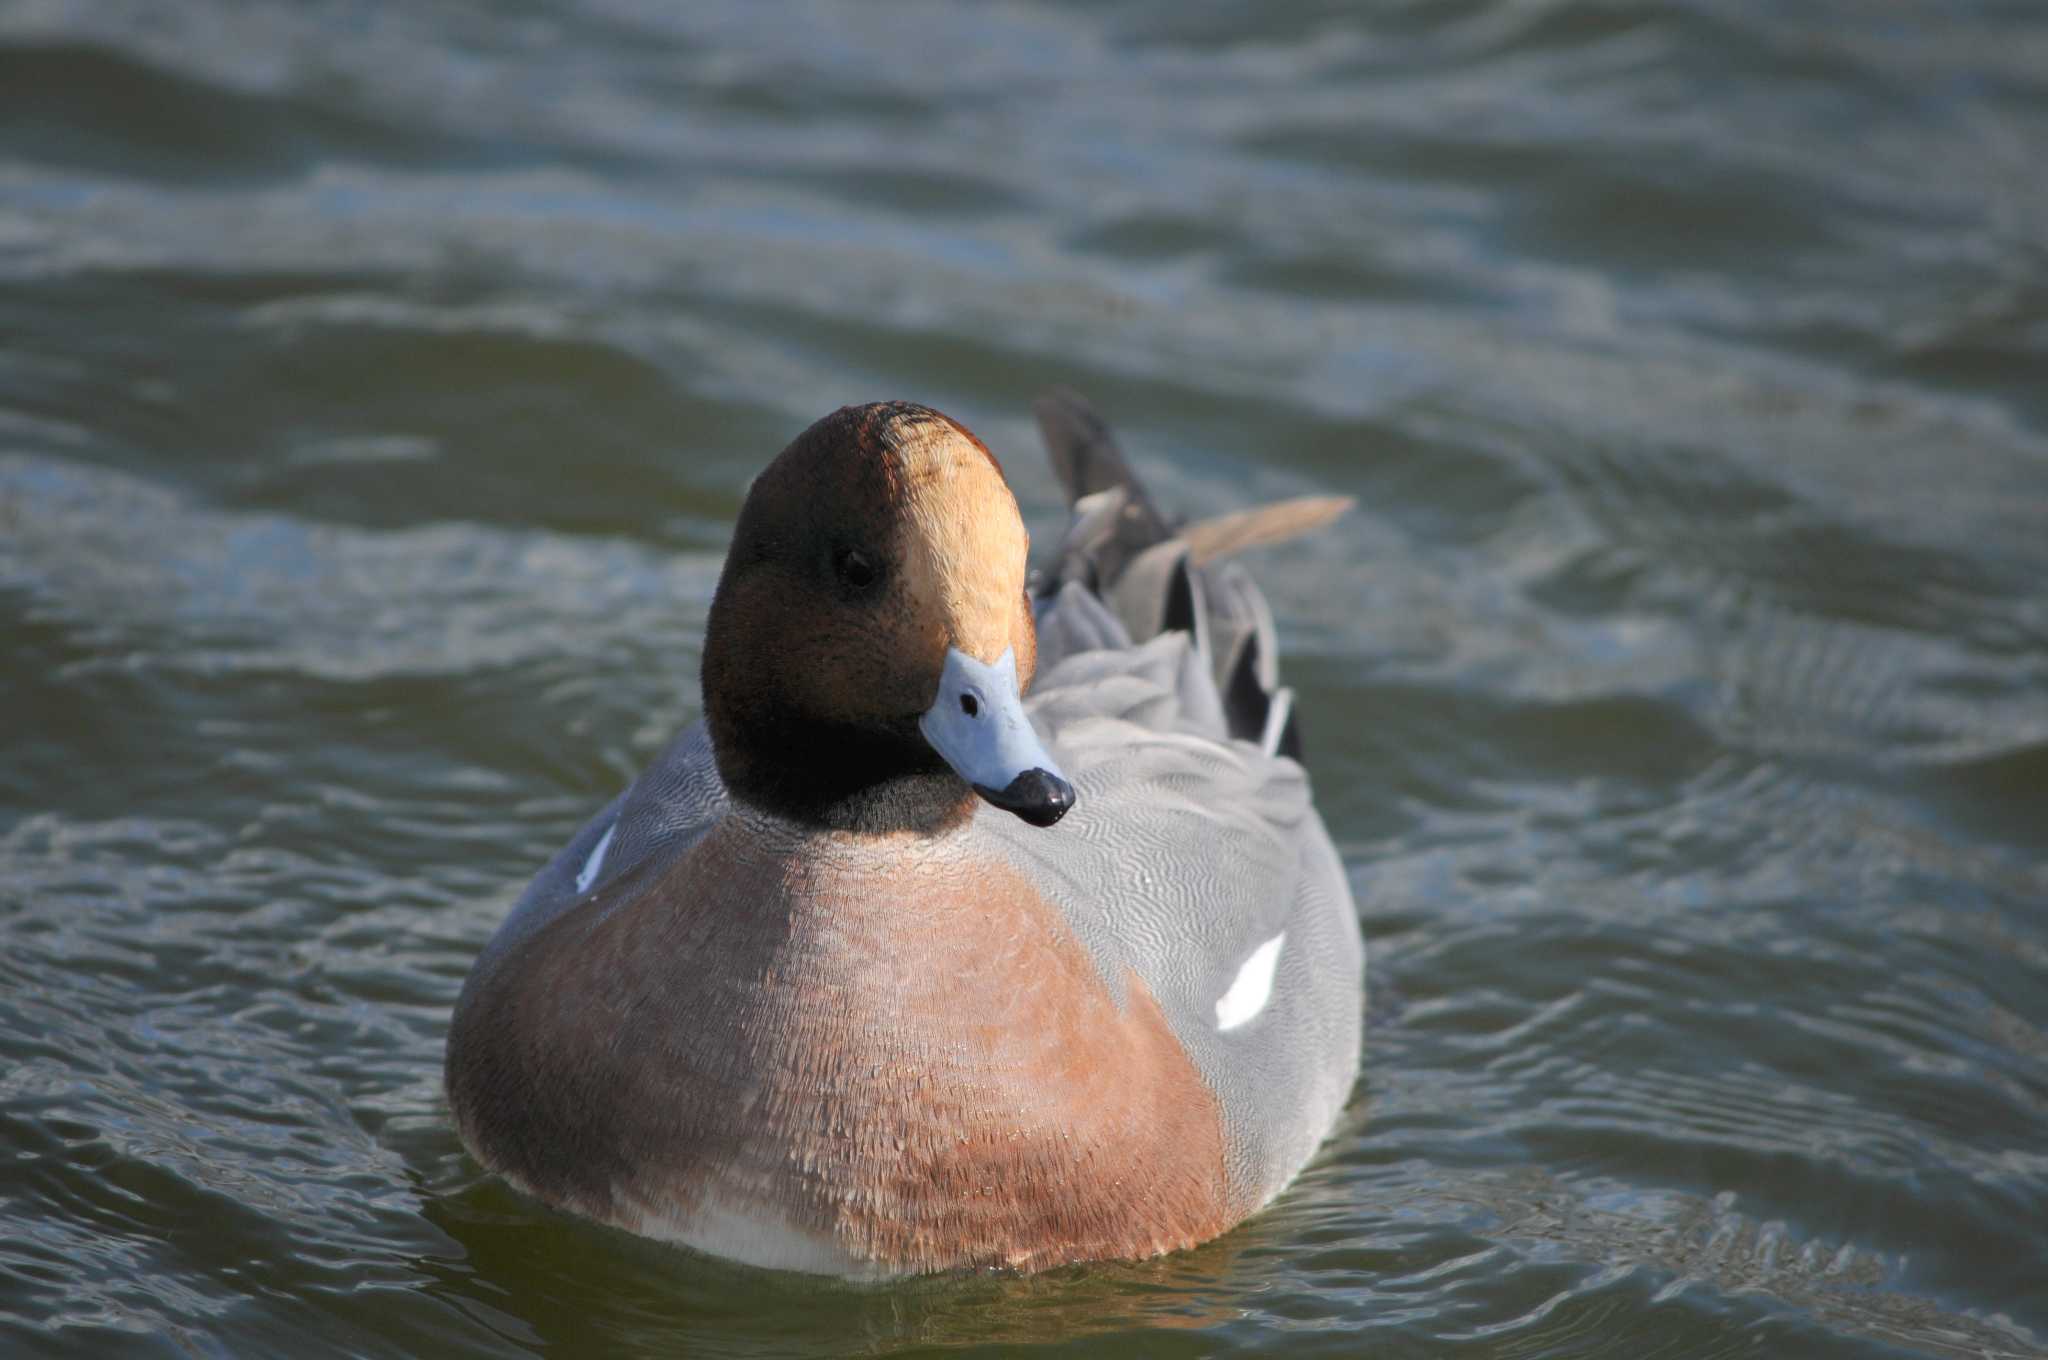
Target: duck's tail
x=1155, y=574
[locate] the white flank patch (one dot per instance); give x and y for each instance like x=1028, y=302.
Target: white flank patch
x=1253, y=987
x=587, y=875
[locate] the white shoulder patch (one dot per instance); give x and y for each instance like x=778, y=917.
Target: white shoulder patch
x=587, y=875
x=1252, y=988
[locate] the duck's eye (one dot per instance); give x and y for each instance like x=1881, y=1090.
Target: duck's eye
x=855, y=569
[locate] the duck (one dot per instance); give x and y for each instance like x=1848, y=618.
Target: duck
x=984, y=920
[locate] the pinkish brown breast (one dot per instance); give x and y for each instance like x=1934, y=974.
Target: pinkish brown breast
x=879, y=1044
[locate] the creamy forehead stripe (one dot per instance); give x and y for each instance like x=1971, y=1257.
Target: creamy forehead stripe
x=1253, y=986
x=965, y=552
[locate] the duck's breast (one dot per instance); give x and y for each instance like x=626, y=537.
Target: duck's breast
x=854, y=1062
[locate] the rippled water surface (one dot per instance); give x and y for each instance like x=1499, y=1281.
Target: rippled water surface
x=378, y=381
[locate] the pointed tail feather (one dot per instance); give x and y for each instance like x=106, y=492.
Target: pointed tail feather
x=1156, y=576
x=1276, y=522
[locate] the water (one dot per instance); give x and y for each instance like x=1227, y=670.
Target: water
x=377, y=383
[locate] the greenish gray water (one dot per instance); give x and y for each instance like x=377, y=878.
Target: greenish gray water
x=377, y=383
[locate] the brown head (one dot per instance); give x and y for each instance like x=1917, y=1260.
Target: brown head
x=871, y=635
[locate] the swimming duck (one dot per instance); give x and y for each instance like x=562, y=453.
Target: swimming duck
x=882, y=968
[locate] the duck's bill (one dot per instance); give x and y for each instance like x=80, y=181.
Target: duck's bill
x=978, y=726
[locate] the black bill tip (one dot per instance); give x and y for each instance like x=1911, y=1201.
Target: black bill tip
x=1040, y=797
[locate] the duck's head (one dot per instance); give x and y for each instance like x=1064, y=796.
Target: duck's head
x=871, y=638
